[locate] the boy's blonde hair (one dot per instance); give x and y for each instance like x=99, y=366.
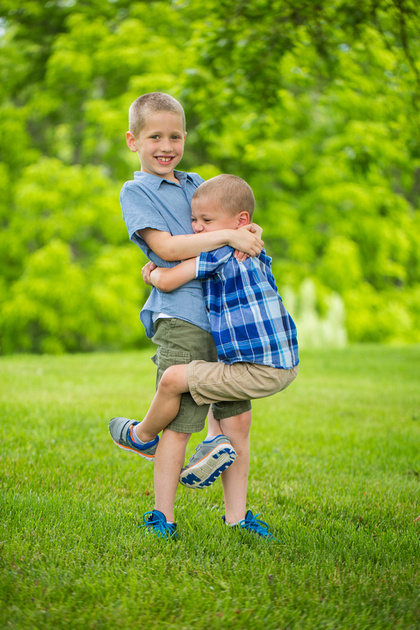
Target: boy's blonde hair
x=232, y=193
x=150, y=104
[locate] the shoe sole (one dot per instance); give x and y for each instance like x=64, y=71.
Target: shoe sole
x=203, y=473
x=149, y=458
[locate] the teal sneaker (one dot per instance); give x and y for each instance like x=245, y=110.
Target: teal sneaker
x=157, y=524
x=121, y=432
x=252, y=524
x=210, y=459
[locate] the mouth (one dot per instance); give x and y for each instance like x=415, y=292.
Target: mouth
x=163, y=159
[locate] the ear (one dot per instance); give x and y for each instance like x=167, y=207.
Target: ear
x=131, y=141
x=243, y=218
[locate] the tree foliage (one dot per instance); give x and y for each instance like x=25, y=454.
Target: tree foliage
x=315, y=103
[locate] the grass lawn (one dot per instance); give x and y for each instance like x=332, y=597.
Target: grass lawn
x=335, y=471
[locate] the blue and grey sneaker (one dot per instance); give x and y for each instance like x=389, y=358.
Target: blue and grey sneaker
x=210, y=459
x=121, y=433
x=252, y=524
x=158, y=525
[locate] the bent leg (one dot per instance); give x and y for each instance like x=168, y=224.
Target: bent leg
x=165, y=404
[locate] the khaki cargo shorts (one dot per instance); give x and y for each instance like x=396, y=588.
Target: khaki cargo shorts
x=213, y=382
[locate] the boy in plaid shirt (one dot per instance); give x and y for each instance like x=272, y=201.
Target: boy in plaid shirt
x=255, y=336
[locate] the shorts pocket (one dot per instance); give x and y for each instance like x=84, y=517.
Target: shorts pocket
x=164, y=358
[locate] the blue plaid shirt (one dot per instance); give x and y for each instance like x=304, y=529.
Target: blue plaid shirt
x=247, y=318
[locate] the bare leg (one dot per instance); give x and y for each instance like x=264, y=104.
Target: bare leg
x=165, y=404
x=235, y=478
x=169, y=459
x=214, y=427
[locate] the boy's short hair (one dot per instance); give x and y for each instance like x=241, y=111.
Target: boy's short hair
x=149, y=104
x=232, y=193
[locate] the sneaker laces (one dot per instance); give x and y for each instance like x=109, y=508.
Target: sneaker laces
x=253, y=524
x=159, y=524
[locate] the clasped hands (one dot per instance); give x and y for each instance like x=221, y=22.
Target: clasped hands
x=246, y=240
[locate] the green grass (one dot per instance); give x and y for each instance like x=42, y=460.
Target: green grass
x=334, y=470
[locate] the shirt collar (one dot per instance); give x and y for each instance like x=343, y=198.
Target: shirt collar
x=155, y=182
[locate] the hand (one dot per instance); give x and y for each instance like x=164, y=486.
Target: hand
x=256, y=229
x=247, y=241
x=146, y=271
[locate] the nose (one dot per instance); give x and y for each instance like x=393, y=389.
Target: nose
x=165, y=145
x=197, y=227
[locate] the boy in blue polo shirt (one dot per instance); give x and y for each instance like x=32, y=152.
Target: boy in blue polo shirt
x=255, y=336
x=156, y=209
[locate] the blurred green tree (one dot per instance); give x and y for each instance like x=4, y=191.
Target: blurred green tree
x=316, y=104
x=68, y=72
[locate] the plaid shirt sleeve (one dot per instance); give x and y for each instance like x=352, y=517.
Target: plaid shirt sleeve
x=209, y=262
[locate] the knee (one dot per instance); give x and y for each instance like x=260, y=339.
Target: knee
x=175, y=438
x=169, y=381
x=237, y=429
x=242, y=425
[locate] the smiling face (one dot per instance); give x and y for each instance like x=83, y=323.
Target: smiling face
x=207, y=216
x=160, y=144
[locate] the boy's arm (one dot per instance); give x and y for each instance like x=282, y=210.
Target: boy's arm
x=173, y=248
x=168, y=279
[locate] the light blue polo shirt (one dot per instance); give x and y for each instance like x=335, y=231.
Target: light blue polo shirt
x=149, y=201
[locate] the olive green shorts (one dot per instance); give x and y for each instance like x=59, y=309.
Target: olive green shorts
x=179, y=342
